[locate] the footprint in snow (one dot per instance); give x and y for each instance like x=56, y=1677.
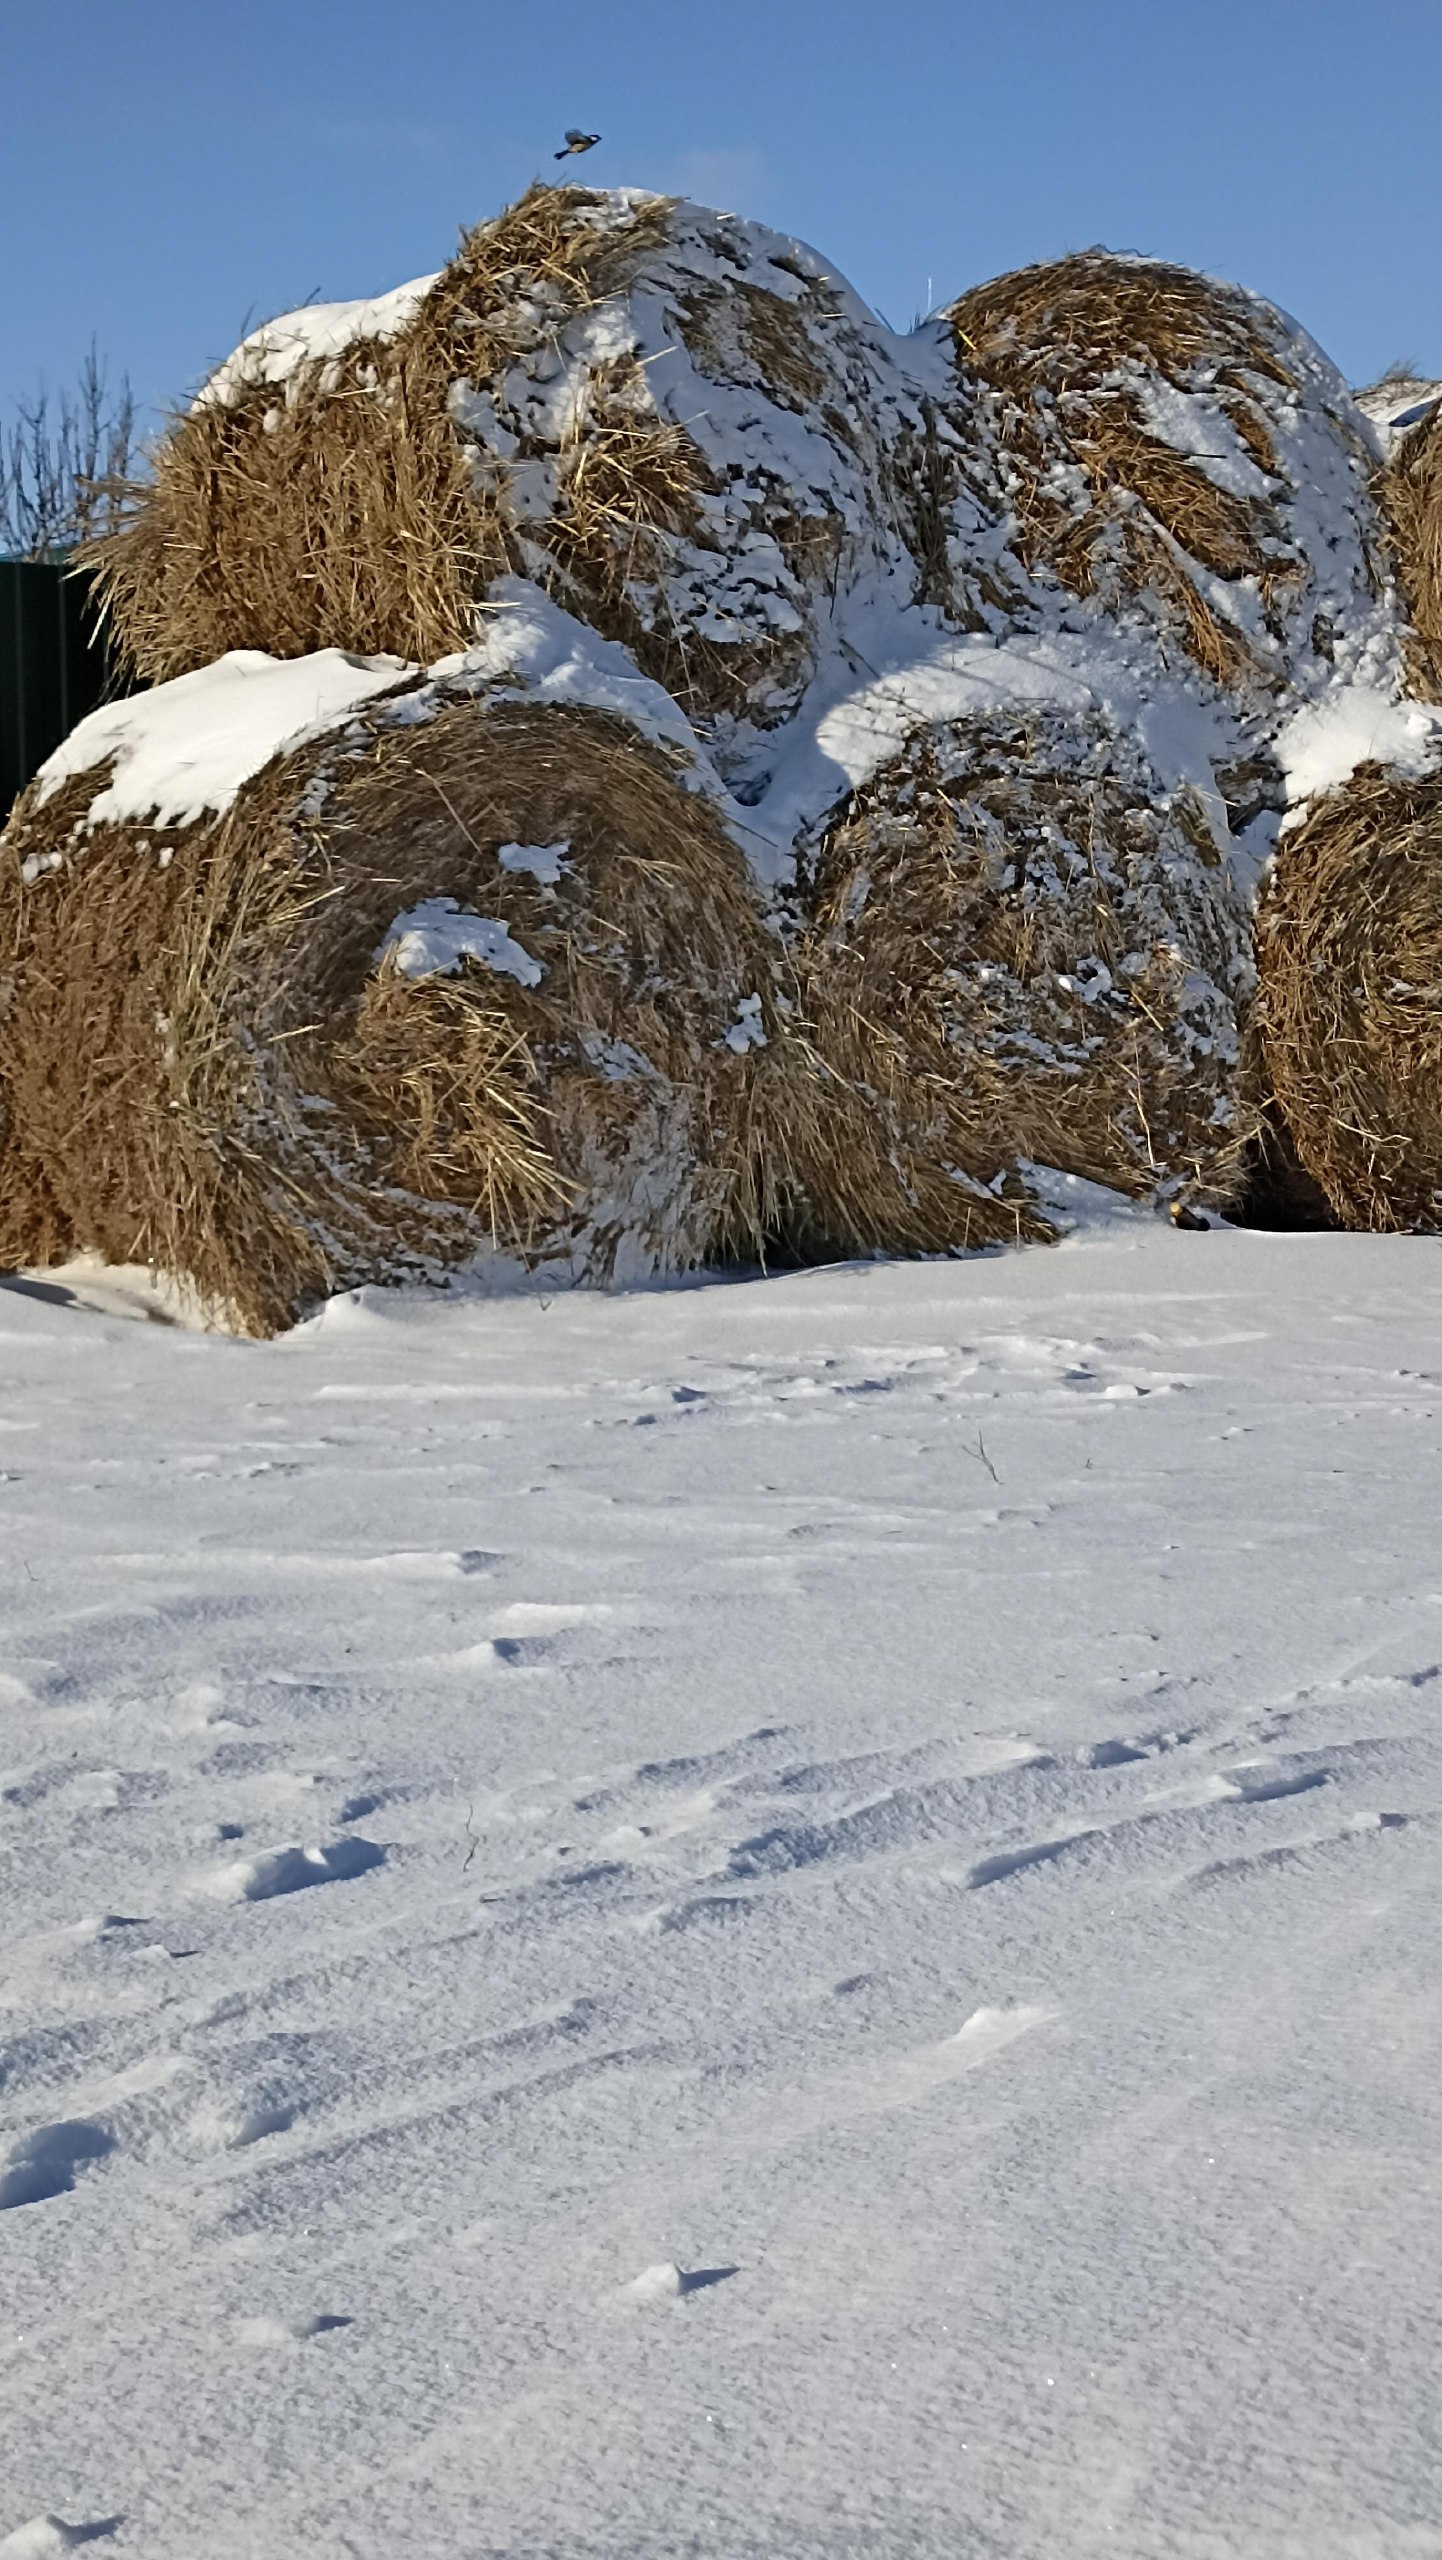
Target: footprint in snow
x=1255, y=1786
x=1013, y=1862
x=1118, y=1750
x=293, y=1869
x=44, y=2164
x=220, y=2128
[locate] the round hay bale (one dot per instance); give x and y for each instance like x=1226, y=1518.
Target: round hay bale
x=681, y=425
x=1349, y=996
x=459, y=973
x=1411, y=492
x=1176, y=448
x=1022, y=951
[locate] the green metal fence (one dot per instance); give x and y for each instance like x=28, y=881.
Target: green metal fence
x=53, y=666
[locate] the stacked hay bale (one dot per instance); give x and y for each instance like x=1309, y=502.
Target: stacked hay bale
x=681, y=426
x=1025, y=952
x=1411, y=493
x=1065, y=931
x=1182, y=456
x=378, y=973
x=1349, y=1002
x=1349, y=934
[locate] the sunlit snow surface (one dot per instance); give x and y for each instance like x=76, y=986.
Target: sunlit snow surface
x=790, y=1917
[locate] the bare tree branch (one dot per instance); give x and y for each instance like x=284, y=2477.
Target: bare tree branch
x=63, y=465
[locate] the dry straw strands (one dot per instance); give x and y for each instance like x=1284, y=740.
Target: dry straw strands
x=1104, y=368
x=1021, y=950
x=1411, y=494
x=1349, y=996
x=207, y=1065
x=337, y=506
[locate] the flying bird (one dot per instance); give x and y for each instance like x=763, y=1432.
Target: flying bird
x=576, y=143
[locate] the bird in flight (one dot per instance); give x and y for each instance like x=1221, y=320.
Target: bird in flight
x=576, y=143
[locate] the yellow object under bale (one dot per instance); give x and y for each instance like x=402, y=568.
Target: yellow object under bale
x=459, y=974
x=1349, y=996
x=1022, y=951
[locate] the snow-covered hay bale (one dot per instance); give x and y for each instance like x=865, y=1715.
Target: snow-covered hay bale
x=1023, y=950
x=447, y=971
x=678, y=423
x=1411, y=491
x=1175, y=447
x=1349, y=995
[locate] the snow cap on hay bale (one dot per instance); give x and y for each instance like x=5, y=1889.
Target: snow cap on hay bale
x=1349, y=995
x=467, y=968
x=1176, y=448
x=681, y=425
x=1022, y=951
x=1411, y=495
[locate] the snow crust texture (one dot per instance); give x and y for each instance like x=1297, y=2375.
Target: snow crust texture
x=782, y=1919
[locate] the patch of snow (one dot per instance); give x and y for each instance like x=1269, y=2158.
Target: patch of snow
x=1354, y=724
x=529, y=649
x=45, y=2538
x=748, y=1031
x=184, y=749
x=905, y=671
x=1394, y=408
x=661, y=2283
x=1202, y=431
x=544, y=862
x=320, y=332
x=432, y=939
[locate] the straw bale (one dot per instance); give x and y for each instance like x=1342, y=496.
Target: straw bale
x=1022, y=951
x=679, y=424
x=1411, y=493
x=214, y=1058
x=1349, y=996
x=1174, y=444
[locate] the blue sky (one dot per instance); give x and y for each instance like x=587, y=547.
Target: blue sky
x=172, y=173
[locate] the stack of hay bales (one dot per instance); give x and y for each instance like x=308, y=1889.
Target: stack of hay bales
x=319, y=972
x=681, y=426
x=584, y=555
x=1025, y=941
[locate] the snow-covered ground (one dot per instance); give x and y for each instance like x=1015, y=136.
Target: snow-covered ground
x=906, y=1794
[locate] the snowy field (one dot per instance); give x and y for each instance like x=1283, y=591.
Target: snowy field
x=908, y=1795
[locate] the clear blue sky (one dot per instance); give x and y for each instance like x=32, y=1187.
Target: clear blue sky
x=171, y=170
